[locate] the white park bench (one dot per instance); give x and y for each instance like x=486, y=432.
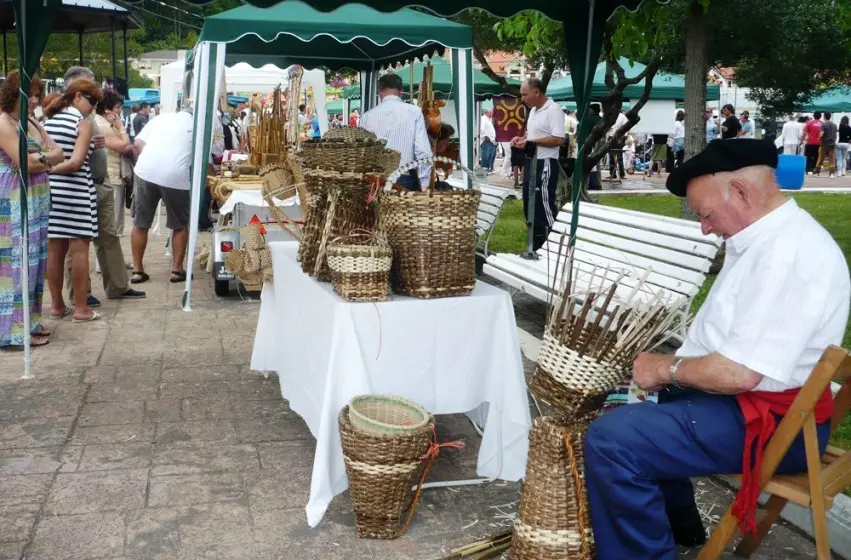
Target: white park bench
x=490, y=206
x=671, y=255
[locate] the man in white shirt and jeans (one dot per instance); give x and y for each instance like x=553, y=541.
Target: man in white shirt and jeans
x=487, y=136
x=544, y=131
x=780, y=300
x=162, y=173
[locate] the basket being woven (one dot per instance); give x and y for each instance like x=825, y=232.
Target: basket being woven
x=575, y=385
x=349, y=149
x=386, y=415
x=381, y=471
x=360, y=271
x=433, y=236
x=553, y=521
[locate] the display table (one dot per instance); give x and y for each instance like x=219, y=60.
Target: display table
x=452, y=355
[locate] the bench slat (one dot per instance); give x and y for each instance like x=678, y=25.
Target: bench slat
x=483, y=216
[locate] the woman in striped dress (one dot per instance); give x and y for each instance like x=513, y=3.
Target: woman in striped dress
x=42, y=154
x=73, y=199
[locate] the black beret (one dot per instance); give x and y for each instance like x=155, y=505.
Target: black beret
x=722, y=156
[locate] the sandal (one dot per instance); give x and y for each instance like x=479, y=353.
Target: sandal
x=41, y=332
x=94, y=317
x=177, y=276
x=36, y=341
x=139, y=277
x=65, y=312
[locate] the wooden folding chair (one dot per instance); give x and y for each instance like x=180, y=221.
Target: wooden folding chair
x=825, y=477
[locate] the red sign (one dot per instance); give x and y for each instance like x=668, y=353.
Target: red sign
x=256, y=220
x=509, y=117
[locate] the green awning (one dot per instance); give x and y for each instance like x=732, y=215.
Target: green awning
x=353, y=36
x=833, y=100
x=336, y=107
x=665, y=86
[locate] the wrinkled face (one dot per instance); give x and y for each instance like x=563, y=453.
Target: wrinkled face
x=718, y=205
x=529, y=95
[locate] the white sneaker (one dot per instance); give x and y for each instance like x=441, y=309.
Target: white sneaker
x=831, y=176
x=809, y=172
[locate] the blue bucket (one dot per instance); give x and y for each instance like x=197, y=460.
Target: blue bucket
x=791, y=171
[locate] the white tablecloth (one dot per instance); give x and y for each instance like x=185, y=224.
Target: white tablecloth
x=252, y=197
x=449, y=355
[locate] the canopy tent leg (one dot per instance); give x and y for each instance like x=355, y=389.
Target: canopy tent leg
x=368, y=87
x=347, y=109
x=463, y=94
x=114, y=57
x=5, y=56
x=126, y=65
x=208, y=57
x=80, y=44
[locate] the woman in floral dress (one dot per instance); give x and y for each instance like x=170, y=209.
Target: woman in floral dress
x=43, y=154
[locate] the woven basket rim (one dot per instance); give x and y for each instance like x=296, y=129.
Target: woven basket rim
x=391, y=400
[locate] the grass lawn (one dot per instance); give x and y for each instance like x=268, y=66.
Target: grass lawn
x=833, y=211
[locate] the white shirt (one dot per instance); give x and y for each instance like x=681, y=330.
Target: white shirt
x=792, y=132
x=543, y=123
x=619, y=122
x=486, y=129
x=780, y=300
x=679, y=129
x=129, y=125
x=402, y=126
x=167, y=153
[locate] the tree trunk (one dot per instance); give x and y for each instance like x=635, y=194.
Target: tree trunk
x=697, y=65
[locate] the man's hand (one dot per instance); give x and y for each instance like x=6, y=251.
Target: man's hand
x=651, y=371
x=100, y=142
x=519, y=142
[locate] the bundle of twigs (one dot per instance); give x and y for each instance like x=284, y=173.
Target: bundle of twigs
x=491, y=547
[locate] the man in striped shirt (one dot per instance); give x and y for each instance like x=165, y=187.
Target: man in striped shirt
x=403, y=127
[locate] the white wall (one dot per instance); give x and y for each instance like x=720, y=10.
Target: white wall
x=657, y=117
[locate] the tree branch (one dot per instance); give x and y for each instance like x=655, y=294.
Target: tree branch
x=510, y=89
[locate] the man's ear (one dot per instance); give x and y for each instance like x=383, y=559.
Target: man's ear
x=742, y=189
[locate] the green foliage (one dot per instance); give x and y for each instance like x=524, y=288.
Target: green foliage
x=541, y=39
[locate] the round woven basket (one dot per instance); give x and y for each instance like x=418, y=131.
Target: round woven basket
x=360, y=267
x=386, y=415
x=433, y=237
x=381, y=471
x=575, y=385
x=349, y=149
x=553, y=521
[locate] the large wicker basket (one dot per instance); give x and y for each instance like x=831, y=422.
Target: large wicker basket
x=433, y=236
x=381, y=470
x=553, y=521
x=575, y=385
x=360, y=267
x=349, y=150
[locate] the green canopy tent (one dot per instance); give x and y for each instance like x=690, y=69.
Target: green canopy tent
x=665, y=86
x=337, y=107
x=291, y=32
x=833, y=100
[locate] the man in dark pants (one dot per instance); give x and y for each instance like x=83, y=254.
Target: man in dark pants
x=544, y=128
x=812, y=137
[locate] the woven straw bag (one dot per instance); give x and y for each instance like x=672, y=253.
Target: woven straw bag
x=553, y=521
x=381, y=471
x=386, y=415
x=433, y=236
x=575, y=385
x=360, y=267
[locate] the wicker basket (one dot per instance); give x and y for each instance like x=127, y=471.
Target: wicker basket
x=386, y=415
x=553, y=521
x=316, y=189
x=381, y=471
x=576, y=386
x=349, y=150
x=433, y=236
x=360, y=267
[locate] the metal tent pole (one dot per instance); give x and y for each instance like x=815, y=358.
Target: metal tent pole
x=5, y=56
x=126, y=66
x=80, y=44
x=114, y=61
x=24, y=177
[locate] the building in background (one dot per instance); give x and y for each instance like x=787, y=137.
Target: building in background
x=151, y=63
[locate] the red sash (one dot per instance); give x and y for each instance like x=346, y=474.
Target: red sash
x=759, y=408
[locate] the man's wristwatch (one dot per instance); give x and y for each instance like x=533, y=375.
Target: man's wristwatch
x=672, y=378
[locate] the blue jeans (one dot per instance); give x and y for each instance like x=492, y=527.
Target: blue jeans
x=487, y=155
x=639, y=457
x=410, y=181
x=841, y=157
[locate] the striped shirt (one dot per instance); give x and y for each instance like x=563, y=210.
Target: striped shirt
x=73, y=199
x=402, y=126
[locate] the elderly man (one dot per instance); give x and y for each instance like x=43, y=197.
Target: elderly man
x=781, y=298
x=402, y=126
x=487, y=136
x=110, y=256
x=544, y=133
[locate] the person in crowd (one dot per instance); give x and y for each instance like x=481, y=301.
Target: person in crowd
x=659, y=155
x=134, y=111
x=746, y=131
x=571, y=127
x=790, y=137
x=142, y=118
x=354, y=118
x=827, y=146
x=303, y=119
x=43, y=153
x=487, y=139
x=731, y=126
x=544, y=136
x=155, y=112
x=679, y=146
x=616, y=153
x=591, y=119
x=162, y=173
x=314, y=124
x=711, y=126
x=812, y=137
x=403, y=127
x=110, y=255
x=842, y=145
x=629, y=151
x=736, y=373
x=73, y=219
x=117, y=141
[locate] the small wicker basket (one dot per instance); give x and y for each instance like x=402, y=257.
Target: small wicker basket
x=360, y=267
x=386, y=415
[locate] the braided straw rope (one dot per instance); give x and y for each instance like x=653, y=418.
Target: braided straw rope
x=367, y=468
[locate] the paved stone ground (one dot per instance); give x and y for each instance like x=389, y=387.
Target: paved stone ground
x=145, y=436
